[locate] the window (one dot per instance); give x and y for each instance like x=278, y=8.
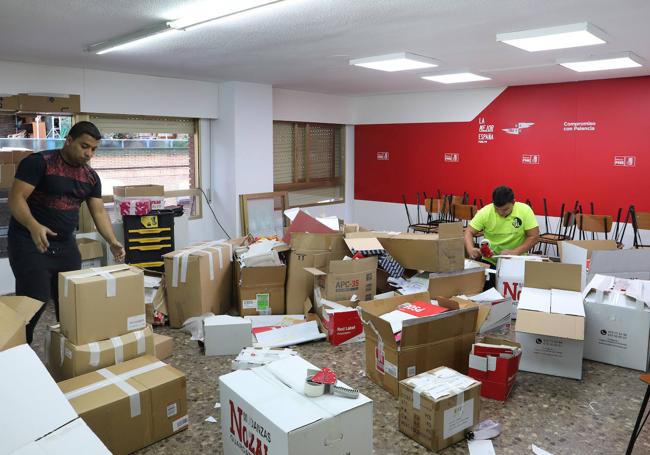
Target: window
x=308, y=162
x=147, y=150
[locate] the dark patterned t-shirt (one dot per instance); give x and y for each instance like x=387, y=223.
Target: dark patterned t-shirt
x=60, y=188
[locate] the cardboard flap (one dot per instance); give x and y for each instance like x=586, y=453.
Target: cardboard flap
x=483, y=309
x=263, y=276
x=468, y=282
x=431, y=329
x=364, y=244
x=549, y=275
x=498, y=340
x=620, y=261
x=314, y=271
x=25, y=307
x=353, y=266
x=550, y=324
x=450, y=230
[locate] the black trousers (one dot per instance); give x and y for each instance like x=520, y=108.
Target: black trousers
x=37, y=273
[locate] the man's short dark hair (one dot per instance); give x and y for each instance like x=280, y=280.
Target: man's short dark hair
x=502, y=195
x=81, y=128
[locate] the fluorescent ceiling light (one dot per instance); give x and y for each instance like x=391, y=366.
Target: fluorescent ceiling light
x=455, y=78
x=217, y=9
x=401, y=61
x=132, y=39
x=561, y=37
x=628, y=60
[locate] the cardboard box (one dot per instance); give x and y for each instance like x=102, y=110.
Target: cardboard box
x=580, y=251
x=99, y=304
x=510, y=277
x=198, y=280
x=138, y=191
x=7, y=172
x=617, y=321
x=340, y=321
x=226, y=335
x=260, y=290
x=91, y=251
x=343, y=280
x=309, y=250
x=426, y=343
x=496, y=368
x=26, y=386
x=436, y=407
x=66, y=360
x=450, y=284
x=631, y=264
x=551, y=320
x=40, y=104
x=163, y=346
x=15, y=313
x=104, y=399
x=263, y=409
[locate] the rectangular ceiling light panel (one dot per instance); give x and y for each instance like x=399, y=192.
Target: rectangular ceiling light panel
x=561, y=37
x=456, y=78
x=401, y=61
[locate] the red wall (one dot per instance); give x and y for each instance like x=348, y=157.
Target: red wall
x=573, y=165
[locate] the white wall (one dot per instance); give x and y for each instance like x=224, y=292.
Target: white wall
x=298, y=106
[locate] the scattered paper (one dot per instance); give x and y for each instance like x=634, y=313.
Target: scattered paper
x=217, y=405
x=482, y=447
x=331, y=222
x=539, y=451
x=491, y=295
x=194, y=326
x=291, y=213
x=288, y=336
x=211, y=419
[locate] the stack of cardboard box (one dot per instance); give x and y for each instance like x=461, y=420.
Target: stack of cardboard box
x=9, y=159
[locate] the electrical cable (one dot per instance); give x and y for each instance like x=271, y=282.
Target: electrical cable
x=214, y=214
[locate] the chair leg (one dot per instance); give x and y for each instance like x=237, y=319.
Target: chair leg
x=637, y=429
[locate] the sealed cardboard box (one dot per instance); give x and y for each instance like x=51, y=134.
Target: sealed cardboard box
x=264, y=411
x=444, y=339
x=226, y=335
x=15, y=313
x=132, y=404
x=260, y=290
x=345, y=280
x=495, y=363
x=91, y=252
x=617, y=321
x=163, y=346
x=101, y=303
x=436, y=407
x=551, y=320
x=198, y=280
x=25, y=386
x=41, y=103
x=309, y=250
x=66, y=360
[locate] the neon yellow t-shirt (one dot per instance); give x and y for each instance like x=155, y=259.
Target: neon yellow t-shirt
x=504, y=233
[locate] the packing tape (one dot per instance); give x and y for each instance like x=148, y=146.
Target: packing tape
x=133, y=394
x=61, y=350
x=119, y=349
x=111, y=287
x=180, y=260
x=211, y=267
x=93, y=348
x=48, y=342
x=139, y=341
x=313, y=389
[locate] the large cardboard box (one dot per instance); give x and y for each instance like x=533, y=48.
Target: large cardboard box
x=102, y=303
x=66, y=360
x=226, y=335
x=426, y=343
x=551, y=320
x=36, y=417
x=199, y=280
x=309, y=250
x=260, y=290
x=264, y=411
x=436, y=407
x=343, y=280
x=9, y=159
x=138, y=191
x=40, y=103
x=91, y=252
x=132, y=404
x=617, y=321
x=15, y=313
x=450, y=284
x=510, y=277
x=579, y=252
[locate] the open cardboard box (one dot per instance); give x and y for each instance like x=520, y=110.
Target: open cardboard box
x=15, y=313
x=580, y=251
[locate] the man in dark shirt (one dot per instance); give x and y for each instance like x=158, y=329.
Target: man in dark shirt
x=47, y=192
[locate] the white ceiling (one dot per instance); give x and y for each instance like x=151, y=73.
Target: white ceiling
x=306, y=44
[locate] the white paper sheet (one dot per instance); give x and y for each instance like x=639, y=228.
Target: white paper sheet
x=539, y=451
x=491, y=295
x=288, y=336
x=483, y=447
x=395, y=318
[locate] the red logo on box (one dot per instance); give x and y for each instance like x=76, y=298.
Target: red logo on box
x=421, y=309
x=452, y=157
x=382, y=156
x=530, y=159
x=625, y=161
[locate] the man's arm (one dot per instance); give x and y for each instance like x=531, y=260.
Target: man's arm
x=472, y=251
x=18, y=195
x=103, y=223
x=532, y=237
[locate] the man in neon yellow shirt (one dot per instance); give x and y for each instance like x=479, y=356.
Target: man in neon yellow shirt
x=511, y=227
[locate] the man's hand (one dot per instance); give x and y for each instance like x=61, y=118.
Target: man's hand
x=39, y=236
x=118, y=251
x=475, y=253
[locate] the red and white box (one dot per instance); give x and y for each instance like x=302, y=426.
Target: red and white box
x=495, y=363
x=139, y=207
x=342, y=322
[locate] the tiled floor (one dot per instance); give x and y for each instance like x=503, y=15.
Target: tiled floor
x=563, y=416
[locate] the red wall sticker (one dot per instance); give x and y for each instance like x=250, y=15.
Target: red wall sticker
x=585, y=141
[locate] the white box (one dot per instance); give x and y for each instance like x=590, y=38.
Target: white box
x=226, y=335
x=510, y=277
x=551, y=320
x=632, y=264
x=266, y=408
x=34, y=406
x=618, y=324
x=580, y=252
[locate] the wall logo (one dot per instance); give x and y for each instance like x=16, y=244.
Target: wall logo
x=579, y=126
x=625, y=161
x=485, y=131
x=603, y=332
x=382, y=156
x=530, y=159
x=518, y=128
x=452, y=157
x=517, y=222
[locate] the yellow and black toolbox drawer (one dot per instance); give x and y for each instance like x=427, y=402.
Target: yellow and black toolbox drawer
x=148, y=237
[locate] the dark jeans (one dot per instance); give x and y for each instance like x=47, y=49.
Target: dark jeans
x=37, y=273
